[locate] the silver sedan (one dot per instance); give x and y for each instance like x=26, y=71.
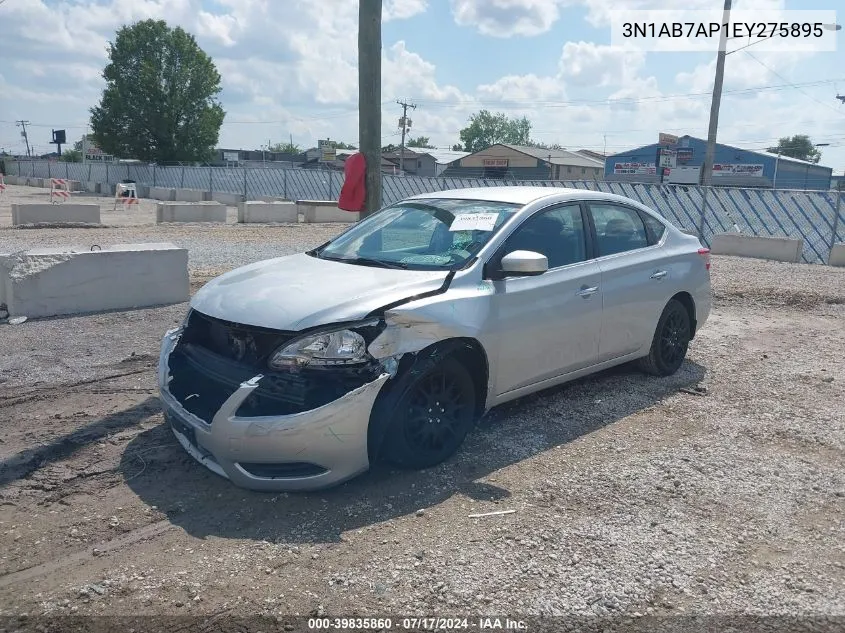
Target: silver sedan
x=391, y=340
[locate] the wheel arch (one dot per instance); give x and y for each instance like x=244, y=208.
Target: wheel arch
x=685, y=299
x=467, y=350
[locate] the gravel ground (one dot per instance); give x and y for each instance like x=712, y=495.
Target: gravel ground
x=719, y=490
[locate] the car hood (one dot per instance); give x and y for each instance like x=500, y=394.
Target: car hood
x=299, y=291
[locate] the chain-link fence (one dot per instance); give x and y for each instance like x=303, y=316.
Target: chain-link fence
x=763, y=212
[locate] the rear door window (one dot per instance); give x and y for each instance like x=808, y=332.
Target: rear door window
x=618, y=229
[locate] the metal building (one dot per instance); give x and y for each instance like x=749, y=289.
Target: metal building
x=518, y=162
x=683, y=158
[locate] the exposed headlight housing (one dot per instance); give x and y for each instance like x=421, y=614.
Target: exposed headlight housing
x=341, y=347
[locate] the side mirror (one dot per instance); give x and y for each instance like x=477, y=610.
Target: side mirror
x=525, y=263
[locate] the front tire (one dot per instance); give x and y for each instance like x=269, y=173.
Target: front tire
x=671, y=341
x=432, y=416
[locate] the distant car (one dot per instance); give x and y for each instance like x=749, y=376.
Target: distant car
x=390, y=341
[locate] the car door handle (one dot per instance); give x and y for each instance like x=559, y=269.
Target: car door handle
x=660, y=274
x=588, y=292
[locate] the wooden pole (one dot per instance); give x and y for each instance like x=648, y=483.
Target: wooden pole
x=369, y=98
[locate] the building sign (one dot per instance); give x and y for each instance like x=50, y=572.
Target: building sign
x=667, y=158
x=667, y=139
x=328, y=151
x=644, y=169
x=495, y=162
x=99, y=158
x=94, y=153
x=684, y=175
x=230, y=157
x=684, y=155
x=726, y=170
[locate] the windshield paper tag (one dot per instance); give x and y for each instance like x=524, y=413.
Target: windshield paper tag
x=474, y=222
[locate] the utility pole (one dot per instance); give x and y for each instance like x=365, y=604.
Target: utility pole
x=839, y=186
x=707, y=168
x=23, y=125
x=707, y=176
x=404, y=123
x=369, y=99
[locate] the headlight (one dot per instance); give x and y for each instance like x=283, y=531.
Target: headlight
x=343, y=347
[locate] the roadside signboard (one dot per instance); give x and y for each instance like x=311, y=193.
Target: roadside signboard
x=668, y=158
x=328, y=151
x=667, y=139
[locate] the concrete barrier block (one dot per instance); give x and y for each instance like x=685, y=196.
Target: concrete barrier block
x=267, y=212
x=190, y=212
x=229, y=199
x=11, y=180
x=69, y=213
x=162, y=193
x=779, y=249
x=191, y=195
x=91, y=187
x=143, y=191
x=324, y=211
x=837, y=255
x=52, y=282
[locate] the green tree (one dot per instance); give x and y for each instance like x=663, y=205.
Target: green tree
x=457, y=147
x=423, y=142
x=72, y=155
x=342, y=145
x=286, y=148
x=486, y=129
x=539, y=145
x=387, y=149
x=799, y=146
x=160, y=101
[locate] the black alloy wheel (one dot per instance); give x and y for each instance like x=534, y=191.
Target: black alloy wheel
x=674, y=338
x=671, y=341
x=434, y=415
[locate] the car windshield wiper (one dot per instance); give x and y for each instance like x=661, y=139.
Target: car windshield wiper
x=366, y=261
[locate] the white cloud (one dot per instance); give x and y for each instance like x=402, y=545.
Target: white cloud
x=587, y=63
x=402, y=9
x=506, y=18
x=405, y=72
x=516, y=88
x=291, y=68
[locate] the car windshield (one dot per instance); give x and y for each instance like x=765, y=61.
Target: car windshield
x=427, y=234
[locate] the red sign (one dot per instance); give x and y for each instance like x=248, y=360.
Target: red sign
x=495, y=162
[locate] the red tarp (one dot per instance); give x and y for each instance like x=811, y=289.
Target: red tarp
x=354, y=191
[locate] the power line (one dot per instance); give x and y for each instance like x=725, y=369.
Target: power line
x=777, y=74
x=608, y=101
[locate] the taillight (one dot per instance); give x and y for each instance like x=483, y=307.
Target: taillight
x=705, y=253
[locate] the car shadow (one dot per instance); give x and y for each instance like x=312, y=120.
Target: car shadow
x=204, y=504
x=24, y=463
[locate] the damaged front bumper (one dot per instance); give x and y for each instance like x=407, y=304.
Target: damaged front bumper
x=307, y=450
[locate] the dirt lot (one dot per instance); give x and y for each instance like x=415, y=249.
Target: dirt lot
x=631, y=494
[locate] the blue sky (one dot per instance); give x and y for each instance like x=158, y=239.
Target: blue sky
x=289, y=69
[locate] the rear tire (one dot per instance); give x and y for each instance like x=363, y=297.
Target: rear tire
x=670, y=343
x=432, y=416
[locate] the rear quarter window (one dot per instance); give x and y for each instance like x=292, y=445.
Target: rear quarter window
x=655, y=228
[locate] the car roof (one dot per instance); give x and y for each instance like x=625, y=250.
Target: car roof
x=522, y=195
